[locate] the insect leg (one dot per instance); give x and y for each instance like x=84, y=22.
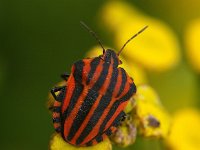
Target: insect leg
x=65, y=76
x=124, y=117
x=56, y=89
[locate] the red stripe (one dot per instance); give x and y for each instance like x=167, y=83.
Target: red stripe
x=118, y=84
x=57, y=104
x=103, y=89
x=127, y=86
x=119, y=109
x=56, y=125
x=104, y=136
x=69, y=92
x=97, y=73
x=94, y=142
x=56, y=115
x=69, y=120
x=113, y=129
x=82, y=127
x=95, y=78
x=86, y=69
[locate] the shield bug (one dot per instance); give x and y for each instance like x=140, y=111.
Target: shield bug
x=90, y=106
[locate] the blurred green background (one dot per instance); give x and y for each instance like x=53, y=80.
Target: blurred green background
x=40, y=39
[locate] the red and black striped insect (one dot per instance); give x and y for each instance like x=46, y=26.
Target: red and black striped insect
x=90, y=106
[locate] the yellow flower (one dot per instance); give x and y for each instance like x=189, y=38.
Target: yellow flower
x=115, y=13
x=135, y=71
x=152, y=118
x=185, y=133
x=57, y=143
x=192, y=37
x=156, y=49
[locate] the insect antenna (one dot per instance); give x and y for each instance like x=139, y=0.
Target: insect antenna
x=93, y=34
x=131, y=39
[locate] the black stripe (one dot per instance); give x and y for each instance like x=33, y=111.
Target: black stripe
x=107, y=56
x=75, y=96
x=111, y=54
x=102, y=77
x=104, y=102
x=108, y=132
x=99, y=138
x=93, y=65
x=95, y=117
x=113, y=81
x=57, y=109
x=56, y=120
x=116, y=105
x=78, y=70
x=88, y=102
x=123, y=83
x=117, y=121
x=115, y=59
x=83, y=112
